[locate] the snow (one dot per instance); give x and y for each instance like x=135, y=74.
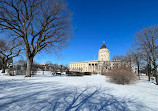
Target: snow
x=45, y=92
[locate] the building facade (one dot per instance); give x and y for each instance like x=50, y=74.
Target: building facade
x=103, y=64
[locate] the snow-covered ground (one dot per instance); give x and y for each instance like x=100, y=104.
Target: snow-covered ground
x=87, y=93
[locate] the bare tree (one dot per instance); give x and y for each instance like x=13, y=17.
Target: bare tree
x=41, y=24
x=118, y=58
x=125, y=61
x=8, y=50
x=147, y=43
x=20, y=64
x=137, y=57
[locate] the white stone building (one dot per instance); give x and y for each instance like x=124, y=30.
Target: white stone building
x=103, y=64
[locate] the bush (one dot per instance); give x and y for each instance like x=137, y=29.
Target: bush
x=87, y=73
x=75, y=73
x=122, y=76
x=105, y=73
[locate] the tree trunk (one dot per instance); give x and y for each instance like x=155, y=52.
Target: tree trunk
x=3, y=68
x=149, y=77
x=149, y=71
x=138, y=72
x=155, y=73
x=29, y=66
x=156, y=77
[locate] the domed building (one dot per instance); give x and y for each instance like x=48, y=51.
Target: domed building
x=102, y=65
x=103, y=53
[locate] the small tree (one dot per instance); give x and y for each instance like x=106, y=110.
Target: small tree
x=137, y=57
x=8, y=50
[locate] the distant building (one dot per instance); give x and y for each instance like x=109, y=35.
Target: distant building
x=103, y=64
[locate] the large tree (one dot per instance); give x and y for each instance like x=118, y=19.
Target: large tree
x=146, y=42
x=9, y=50
x=41, y=24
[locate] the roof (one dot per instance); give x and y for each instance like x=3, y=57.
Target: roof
x=103, y=46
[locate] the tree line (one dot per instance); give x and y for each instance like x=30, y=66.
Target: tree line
x=21, y=64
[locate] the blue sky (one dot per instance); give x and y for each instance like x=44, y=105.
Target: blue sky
x=112, y=21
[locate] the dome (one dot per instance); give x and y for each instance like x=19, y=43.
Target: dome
x=103, y=46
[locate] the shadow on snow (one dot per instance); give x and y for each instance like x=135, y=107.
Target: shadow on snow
x=20, y=95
